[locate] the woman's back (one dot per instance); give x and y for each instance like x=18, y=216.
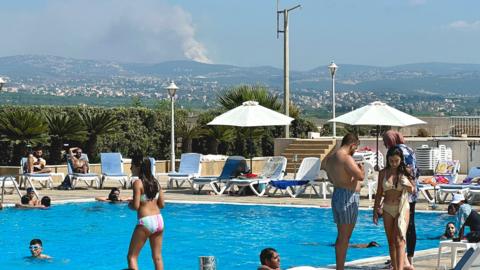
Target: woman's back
x=146, y=206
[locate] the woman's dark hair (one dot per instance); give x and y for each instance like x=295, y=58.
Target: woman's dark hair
x=402, y=168
x=447, y=234
x=112, y=196
x=266, y=254
x=150, y=184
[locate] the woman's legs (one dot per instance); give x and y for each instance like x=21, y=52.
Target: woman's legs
x=399, y=245
x=389, y=225
x=156, y=246
x=139, y=237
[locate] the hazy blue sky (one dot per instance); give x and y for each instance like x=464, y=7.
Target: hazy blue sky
x=243, y=32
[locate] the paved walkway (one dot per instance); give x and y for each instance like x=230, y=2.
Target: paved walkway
x=424, y=259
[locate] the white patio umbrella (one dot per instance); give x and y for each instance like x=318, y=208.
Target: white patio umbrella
x=251, y=114
x=377, y=114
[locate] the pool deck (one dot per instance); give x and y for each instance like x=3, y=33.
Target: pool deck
x=426, y=259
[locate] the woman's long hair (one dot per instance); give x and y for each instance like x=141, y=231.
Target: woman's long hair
x=402, y=168
x=150, y=184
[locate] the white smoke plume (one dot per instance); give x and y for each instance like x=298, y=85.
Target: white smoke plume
x=121, y=30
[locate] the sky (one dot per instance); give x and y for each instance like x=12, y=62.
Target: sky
x=243, y=32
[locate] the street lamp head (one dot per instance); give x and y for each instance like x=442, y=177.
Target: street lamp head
x=172, y=89
x=2, y=82
x=333, y=68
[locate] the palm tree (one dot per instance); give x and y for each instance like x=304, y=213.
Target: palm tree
x=216, y=135
x=64, y=128
x=236, y=96
x=22, y=128
x=97, y=124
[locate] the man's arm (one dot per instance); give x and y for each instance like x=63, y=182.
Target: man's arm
x=354, y=169
x=70, y=152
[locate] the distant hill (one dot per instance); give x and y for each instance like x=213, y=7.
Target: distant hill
x=434, y=78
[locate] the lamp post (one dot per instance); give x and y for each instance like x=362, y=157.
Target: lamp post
x=333, y=69
x=172, y=89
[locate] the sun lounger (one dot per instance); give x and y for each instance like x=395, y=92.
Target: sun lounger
x=274, y=169
x=473, y=179
x=112, y=168
x=454, y=246
x=470, y=260
x=307, y=173
x=190, y=168
x=93, y=178
x=9, y=182
x=448, y=170
x=45, y=179
x=234, y=165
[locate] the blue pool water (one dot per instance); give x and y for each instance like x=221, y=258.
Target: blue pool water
x=96, y=235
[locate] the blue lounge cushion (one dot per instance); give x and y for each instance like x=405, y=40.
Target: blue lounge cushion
x=283, y=184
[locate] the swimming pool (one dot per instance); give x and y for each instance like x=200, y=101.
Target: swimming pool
x=96, y=235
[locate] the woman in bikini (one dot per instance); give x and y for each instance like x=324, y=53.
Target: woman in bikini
x=147, y=200
x=394, y=185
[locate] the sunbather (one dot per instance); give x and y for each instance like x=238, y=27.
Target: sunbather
x=80, y=164
x=35, y=162
x=114, y=196
x=269, y=259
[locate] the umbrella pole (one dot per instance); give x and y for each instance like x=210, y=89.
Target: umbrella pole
x=378, y=131
x=251, y=150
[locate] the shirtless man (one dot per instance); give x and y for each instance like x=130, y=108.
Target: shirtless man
x=346, y=177
x=79, y=165
x=35, y=162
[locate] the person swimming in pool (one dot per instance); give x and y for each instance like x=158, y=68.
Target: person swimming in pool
x=36, y=249
x=45, y=203
x=147, y=200
x=114, y=197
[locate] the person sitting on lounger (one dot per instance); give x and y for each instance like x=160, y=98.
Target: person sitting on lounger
x=36, y=249
x=113, y=197
x=79, y=163
x=44, y=204
x=270, y=259
x=465, y=216
x=35, y=162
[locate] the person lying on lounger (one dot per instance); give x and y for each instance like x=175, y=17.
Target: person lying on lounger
x=114, y=197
